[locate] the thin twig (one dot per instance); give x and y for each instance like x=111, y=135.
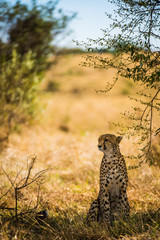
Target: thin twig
x=148, y=104
x=30, y=169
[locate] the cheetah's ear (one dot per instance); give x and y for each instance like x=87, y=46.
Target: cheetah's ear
x=119, y=138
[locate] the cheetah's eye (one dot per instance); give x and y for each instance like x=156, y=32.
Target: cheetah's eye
x=106, y=140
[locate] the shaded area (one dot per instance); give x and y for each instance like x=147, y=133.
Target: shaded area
x=71, y=225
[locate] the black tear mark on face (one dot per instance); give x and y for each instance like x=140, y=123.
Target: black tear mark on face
x=104, y=145
x=108, y=143
x=105, y=148
x=105, y=141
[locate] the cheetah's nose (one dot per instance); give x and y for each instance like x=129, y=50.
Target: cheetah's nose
x=99, y=146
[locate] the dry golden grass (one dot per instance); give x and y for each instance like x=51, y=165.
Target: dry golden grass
x=65, y=141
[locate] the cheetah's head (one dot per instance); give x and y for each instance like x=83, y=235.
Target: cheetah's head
x=108, y=142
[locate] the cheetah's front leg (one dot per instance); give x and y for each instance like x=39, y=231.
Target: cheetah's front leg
x=93, y=212
x=124, y=203
x=105, y=208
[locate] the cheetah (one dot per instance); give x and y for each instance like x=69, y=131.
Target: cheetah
x=112, y=202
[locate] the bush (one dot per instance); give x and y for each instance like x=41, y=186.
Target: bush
x=18, y=91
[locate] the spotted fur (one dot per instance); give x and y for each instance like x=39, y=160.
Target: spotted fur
x=112, y=202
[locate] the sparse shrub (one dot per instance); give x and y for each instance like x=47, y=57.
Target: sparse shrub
x=65, y=51
x=52, y=86
x=127, y=88
x=125, y=91
x=156, y=150
x=64, y=128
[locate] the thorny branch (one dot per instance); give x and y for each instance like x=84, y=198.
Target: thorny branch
x=149, y=104
x=150, y=25
x=148, y=151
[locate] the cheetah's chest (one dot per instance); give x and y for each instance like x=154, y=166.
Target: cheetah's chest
x=113, y=180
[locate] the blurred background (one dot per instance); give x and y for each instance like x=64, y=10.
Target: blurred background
x=89, y=21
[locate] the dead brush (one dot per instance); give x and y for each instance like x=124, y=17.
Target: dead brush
x=18, y=190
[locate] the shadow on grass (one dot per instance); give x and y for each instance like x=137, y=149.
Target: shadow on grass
x=74, y=226
x=70, y=225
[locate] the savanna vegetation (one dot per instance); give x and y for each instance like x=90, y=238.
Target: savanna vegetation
x=64, y=139
x=52, y=164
